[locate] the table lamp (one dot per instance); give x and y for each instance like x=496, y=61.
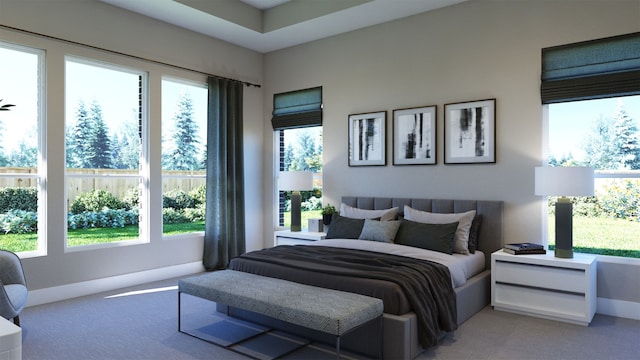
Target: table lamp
x=295, y=181
x=564, y=181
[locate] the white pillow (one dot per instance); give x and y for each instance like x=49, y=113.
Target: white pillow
x=356, y=213
x=461, y=244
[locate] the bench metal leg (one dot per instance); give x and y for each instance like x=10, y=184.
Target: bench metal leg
x=338, y=347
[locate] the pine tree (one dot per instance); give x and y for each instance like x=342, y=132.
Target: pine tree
x=100, y=144
x=625, y=138
x=183, y=149
x=126, y=147
x=79, y=140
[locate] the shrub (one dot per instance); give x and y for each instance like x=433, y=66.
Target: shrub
x=313, y=203
x=621, y=199
x=199, y=194
x=173, y=216
x=131, y=199
x=105, y=218
x=195, y=214
x=14, y=198
x=19, y=222
x=95, y=201
x=177, y=199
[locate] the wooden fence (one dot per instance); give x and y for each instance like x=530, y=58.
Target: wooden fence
x=117, y=182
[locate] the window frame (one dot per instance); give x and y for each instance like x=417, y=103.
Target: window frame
x=194, y=83
x=41, y=125
x=143, y=175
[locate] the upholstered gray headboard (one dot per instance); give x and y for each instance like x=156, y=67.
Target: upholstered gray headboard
x=490, y=236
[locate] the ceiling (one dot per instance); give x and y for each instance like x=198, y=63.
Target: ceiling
x=268, y=25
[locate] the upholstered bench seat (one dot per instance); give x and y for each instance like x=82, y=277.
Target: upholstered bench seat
x=329, y=311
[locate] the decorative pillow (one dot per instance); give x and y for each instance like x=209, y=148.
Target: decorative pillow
x=474, y=233
x=461, y=245
x=344, y=228
x=357, y=213
x=436, y=237
x=383, y=231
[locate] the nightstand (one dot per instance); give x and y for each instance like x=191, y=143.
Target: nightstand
x=288, y=237
x=545, y=286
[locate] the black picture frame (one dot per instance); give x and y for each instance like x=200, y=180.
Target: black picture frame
x=367, y=139
x=414, y=136
x=470, y=132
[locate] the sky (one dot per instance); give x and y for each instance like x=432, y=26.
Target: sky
x=569, y=123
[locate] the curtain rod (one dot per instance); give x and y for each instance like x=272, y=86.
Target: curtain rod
x=124, y=54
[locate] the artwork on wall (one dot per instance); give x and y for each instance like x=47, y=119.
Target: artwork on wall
x=367, y=139
x=414, y=136
x=470, y=132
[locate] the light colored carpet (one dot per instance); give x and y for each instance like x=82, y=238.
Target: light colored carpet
x=141, y=323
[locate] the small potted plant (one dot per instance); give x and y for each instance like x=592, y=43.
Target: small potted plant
x=327, y=213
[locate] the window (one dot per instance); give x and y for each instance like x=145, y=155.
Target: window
x=297, y=123
x=184, y=155
x=106, y=181
x=21, y=150
x=592, y=92
x=604, y=134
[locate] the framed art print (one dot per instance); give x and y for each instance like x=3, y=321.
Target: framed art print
x=367, y=139
x=470, y=132
x=414, y=136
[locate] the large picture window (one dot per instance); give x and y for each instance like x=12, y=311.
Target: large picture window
x=21, y=151
x=106, y=181
x=184, y=155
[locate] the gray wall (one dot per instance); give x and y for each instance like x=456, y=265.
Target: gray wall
x=98, y=24
x=470, y=51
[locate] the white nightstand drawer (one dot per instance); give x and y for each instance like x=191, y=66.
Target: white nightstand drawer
x=548, y=277
x=547, y=302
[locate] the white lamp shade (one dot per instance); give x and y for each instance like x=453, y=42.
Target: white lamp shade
x=295, y=181
x=564, y=181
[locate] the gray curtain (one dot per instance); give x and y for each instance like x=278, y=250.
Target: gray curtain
x=224, y=236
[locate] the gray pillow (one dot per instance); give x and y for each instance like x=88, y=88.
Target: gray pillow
x=436, y=237
x=383, y=231
x=344, y=228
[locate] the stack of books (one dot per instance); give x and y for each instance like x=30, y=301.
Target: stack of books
x=524, y=249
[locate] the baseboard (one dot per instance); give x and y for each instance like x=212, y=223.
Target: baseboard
x=618, y=308
x=69, y=291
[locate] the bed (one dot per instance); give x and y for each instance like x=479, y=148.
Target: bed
x=459, y=291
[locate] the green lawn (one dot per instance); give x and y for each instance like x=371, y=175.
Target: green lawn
x=28, y=242
x=603, y=236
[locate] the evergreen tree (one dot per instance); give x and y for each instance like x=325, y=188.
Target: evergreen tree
x=126, y=147
x=625, y=138
x=79, y=139
x=100, y=144
x=183, y=145
x=25, y=156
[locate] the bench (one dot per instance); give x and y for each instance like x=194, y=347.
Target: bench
x=328, y=311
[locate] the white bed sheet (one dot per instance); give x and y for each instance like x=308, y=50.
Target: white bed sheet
x=461, y=267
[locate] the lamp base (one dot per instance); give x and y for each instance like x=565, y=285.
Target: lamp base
x=564, y=229
x=563, y=253
x=296, y=221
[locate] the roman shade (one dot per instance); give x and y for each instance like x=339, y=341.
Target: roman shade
x=295, y=109
x=593, y=69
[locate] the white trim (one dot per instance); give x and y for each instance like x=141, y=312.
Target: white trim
x=69, y=291
x=618, y=308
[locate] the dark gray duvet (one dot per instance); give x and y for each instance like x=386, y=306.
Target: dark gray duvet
x=404, y=284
